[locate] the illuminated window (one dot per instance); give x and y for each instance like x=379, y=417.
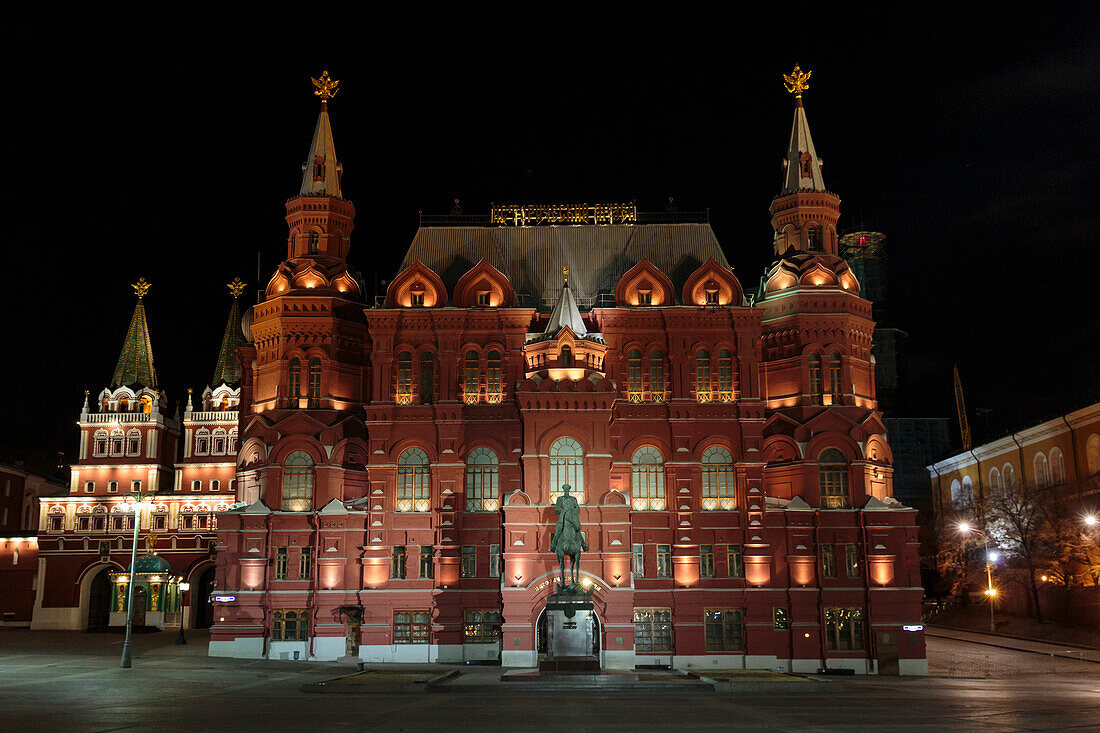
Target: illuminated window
x=781, y=620
x=411, y=627
x=298, y=482
x=718, y=479
x=637, y=561
x=648, y=479
x=724, y=629
x=652, y=630
x=702, y=375
x=645, y=297
x=427, y=567
x=481, y=481
x=413, y=481
x=427, y=378
x=481, y=627
x=843, y=629
x=493, y=377
x=289, y=625
x=664, y=561
x=470, y=381
x=828, y=562
x=566, y=467
x=416, y=300
x=851, y=560
x=815, y=379
x=706, y=561
x=834, y=377
x=314, y=382
x=404, y=378
x=483, y=298
x=295, y=378
x=832, y=473
x=280, y=563
x=656, y=376
x=735, y=561
x=468, y=568
x=397, y=563
x=725, y=376
x=712, y=297
x=634, y=376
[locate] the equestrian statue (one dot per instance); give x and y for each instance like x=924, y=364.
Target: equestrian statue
x=567, y=539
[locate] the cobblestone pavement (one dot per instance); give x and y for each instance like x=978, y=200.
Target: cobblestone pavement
x=71, y=681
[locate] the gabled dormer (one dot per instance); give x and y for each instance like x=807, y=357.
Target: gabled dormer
x=644, y=285
x=483, y=286
x=417, y=286
x=712, y=285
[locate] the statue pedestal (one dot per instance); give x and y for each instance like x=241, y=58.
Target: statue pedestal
x=570, y=622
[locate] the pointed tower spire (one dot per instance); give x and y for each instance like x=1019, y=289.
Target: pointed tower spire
x=804, y=214
x=321, y=171
x=227, y=370
x=803, y=167
x=566, y=312
x=135, y=363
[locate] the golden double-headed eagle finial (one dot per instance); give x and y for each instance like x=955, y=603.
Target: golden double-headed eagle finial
x=797, y=81
x=141, y=287
x=326, y=87
x=236, y=287
x=565, y=273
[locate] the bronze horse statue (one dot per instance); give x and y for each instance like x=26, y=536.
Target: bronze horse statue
x=568, y=539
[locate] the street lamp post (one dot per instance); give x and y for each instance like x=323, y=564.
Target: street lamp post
x=990, y=558
x=184, y=586
x=127, y=658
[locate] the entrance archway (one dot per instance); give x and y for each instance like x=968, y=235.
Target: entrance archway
x=540, y=635
x=99, y=601
x=202, y=607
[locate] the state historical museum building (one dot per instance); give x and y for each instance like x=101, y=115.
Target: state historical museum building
x=398, y=464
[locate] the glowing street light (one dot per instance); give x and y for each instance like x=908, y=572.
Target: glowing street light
x=184, y=586
x=991, y=556
x=1091, y=520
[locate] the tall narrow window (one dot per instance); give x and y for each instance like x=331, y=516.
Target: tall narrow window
x=832, y=471
x=815, y=379
x=657, y=376
x=397, y=563
x=426, y=564
x=725, y=376
x=664, y=561
x=634, y=376
x=305, y=564
x=416, y=299
x=851, y=561
x=494, y=561
x=566, y=467
x=735, y=561
x=294, y=389
x=298, y=482
x=280, y=563
x=706, y=561
x=828, y=562
x=494, y=384
x=314, y=382
x=702, y=375
x=566, y=357
x=481, y=481
x=470, y=378
x=413, y=481
x=648, y=479
x=637, y=560
x=314, y=240
x=427, y=378
x=468, y=569
x=404, y=378
x=834, y=378
x=718, y=481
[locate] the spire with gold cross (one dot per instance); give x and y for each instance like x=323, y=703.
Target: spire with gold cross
x=135, y=363
x=227, y=370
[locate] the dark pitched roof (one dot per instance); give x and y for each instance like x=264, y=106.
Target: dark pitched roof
x=532, y=257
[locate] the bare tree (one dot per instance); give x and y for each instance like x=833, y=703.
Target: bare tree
x=1018, y=523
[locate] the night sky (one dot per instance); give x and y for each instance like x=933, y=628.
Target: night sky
x=167, y=151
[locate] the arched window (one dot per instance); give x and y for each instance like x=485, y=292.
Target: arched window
x=470, y=380
x=995, y=479
x=202, y=442
x=956, y=494
x=718, y=483
x=494, y=387
x=314, y=239
x=314, y=382
x=217, y=442
x=1042, y=475
x=1092, y=454
x=481, y=481
x=118, y=447
x=427, y=378
x=811, y=233
x=702, y=375
x=725, y=376
x=298, y=482
x=231, y=442
x=1008, y=474
x=647, y=483
x=413, y=481
x=133, y=442
x=834, y=378
x=566, y=467
x=404, y=378
x=634, y=376
x=1057, y=467
x=656, y=376
x=99, y=446
x=295, y=381
x=832, y=473
x=566, y=357
x=815, y=379
x=967, y=496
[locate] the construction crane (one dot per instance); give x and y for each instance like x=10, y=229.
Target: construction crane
x=960, y=404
